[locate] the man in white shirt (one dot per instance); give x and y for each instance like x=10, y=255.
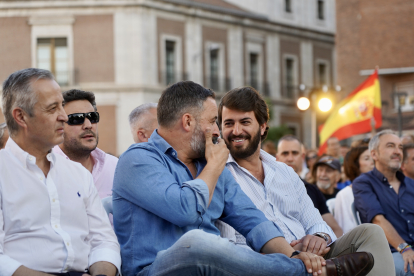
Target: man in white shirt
x=143, y=122
x=279, y=193
x=51, y=219
x=81, y=138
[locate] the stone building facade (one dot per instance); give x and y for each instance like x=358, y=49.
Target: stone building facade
x=127, y=51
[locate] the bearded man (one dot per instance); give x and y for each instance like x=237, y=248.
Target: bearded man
x=81, y=140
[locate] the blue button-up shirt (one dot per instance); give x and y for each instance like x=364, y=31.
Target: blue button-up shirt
x=156, y=200
x=375, y=196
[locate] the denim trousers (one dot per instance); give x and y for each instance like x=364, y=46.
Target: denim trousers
x=201, y=253
x=399, y=265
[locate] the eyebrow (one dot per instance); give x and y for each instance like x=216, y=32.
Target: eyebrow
x=52, y=104
x=242, y=119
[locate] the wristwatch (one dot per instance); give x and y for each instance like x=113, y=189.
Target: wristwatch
x=296, y=252
x=402, y=246
x=322, y=235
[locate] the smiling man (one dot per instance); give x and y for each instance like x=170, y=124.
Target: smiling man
x=384, y=196
x=279, y=193
x=52, y=221
x=81, y=140
x=327, y=172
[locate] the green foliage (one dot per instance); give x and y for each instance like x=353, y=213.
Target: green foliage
x=270, y=106
x=275, y=133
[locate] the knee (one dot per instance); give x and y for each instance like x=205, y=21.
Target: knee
x=373, y=229
x=200, y=243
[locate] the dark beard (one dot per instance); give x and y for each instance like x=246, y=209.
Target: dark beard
x=75, y=150
x=251, y=147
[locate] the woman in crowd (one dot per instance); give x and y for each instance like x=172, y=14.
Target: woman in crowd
x=358, y=160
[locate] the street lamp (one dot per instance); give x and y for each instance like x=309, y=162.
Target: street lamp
x=303, y=103
x=325, y=104
x=400, y=95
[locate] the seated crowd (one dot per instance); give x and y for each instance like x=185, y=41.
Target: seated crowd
x=187, y=201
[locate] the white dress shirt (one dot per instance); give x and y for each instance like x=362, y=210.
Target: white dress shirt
x=283, y=199
x=54, y=223
x=343, y=212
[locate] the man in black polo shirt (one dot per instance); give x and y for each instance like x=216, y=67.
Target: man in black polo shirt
x=384, y=196
x=289, y=151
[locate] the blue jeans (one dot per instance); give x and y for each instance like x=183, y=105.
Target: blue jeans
x=399, y=265
x=201, y=253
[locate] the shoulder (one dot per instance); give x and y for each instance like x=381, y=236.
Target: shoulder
x=363, y=179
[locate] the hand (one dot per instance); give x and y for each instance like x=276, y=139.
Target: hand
x=312, y=244
x=408, y=257
x=313, y=263
x=216, y=153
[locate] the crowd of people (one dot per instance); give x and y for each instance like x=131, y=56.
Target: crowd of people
x=195, y=194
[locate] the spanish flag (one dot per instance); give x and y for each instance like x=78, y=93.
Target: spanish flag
x=353, y=114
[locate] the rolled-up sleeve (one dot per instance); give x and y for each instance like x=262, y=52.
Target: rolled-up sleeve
x=201, y=192
x=243, y=216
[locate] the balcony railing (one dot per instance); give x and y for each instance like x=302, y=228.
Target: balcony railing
x=168, y=79
x=218, y=84
x=262, y=87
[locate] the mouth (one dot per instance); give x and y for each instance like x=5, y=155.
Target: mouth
x=88, y=137
x=238, y=141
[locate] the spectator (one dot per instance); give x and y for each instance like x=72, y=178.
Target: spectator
x=384, y=196
x=277, y=190
x=289, y=151
x=143, y=122
x=360, y=143
x=311, y=157
x=407, y=166
x=51, y=218
x=357, y=160
x=327, y=172
x=81, y=138
x=4, y=135
x=334, y=148
x=344, y=150
x=169, y=192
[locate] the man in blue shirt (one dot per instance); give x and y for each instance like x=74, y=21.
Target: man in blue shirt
x=384, y=196
x=169, y=192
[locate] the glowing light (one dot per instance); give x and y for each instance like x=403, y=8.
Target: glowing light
x=303, y=103
x=325, y=104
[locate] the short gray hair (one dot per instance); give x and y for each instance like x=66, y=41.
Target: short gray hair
x=17, y=92
x=136, y=114
x=374, y=142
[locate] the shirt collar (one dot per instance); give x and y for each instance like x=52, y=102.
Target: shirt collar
x=383, y=179
x=24, y=157
x=264, y=156
x=160, y=143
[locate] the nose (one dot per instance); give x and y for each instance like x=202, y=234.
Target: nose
x=216, y=131
x=63, y=117
x=289, y=157
x=237, y=130
x=87, y=124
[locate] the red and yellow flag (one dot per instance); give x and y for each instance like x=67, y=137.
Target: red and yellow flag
x=353, y=114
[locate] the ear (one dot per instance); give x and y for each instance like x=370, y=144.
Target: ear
x=374, y=155
x=141, y=136
x=187, y=122
x=263, y=128
x=20, y=117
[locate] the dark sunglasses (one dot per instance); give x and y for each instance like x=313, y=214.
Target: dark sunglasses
x=79, y=118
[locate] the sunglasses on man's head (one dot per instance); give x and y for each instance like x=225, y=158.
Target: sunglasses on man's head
x=79, y=118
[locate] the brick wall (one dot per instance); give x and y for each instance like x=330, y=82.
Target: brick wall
x=15, y=53
x=94, y=48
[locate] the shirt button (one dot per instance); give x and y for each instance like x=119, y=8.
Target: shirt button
x=402, y=210
x=41, y=178
x=67, y=244
x=390, y=187
x=30, y=158
x=174, y=153
x=408, y=221
x=411, y=235
x=385, y=179
x=56, y=226
x=53, y=200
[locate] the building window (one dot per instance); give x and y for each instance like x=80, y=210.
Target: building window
x=170, y=61
x=214, y=69
x=288, y=6
x=254, y=70
x=322, y=75
x=321, y=14
x=290, y=75
x=52, y=55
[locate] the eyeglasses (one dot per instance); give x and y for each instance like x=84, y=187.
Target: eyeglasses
x=79, y=118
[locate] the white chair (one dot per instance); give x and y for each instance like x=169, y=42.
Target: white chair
x=331, y=205
x=107, y=204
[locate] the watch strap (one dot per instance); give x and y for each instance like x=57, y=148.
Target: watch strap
x=322, y=235
x=296, y=252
